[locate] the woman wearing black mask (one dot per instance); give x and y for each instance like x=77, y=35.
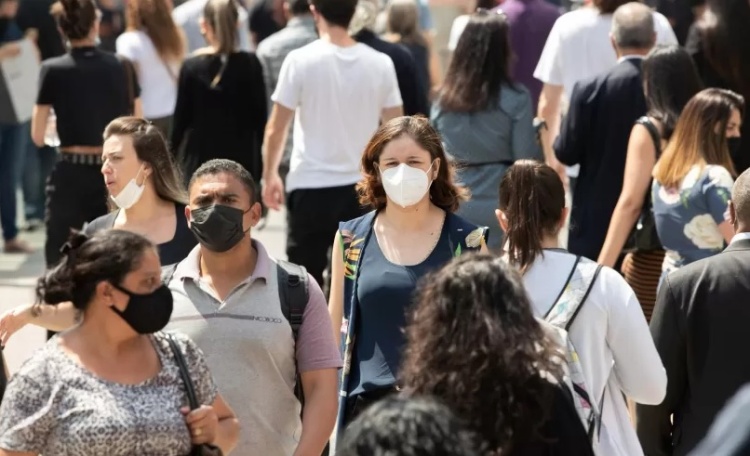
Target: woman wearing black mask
x=114, y=358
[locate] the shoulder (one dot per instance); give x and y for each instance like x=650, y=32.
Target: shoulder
x=58, y=62
x=514, y=98
x=469, y=235
x=187, y=347
x=103, y=222
x=129, y=37
x=717, y=175
x=41, y=368
x=354, y=224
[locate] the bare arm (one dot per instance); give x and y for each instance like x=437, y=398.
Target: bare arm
x=392, y=113
x=319, y=414
x=549, y=110
x=16, y=453
x=336, y=299
x=273, y=148
x=137, y=108
x=9, y=50
x=39, y=119
x=641, y=158
x=228, y=431
x=55, y=318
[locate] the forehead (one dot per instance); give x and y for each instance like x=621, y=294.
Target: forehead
x=402, y=147
x=117, y=143
x=215, y=184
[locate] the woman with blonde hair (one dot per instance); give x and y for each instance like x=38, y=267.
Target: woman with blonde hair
x=693, y=179
x=156, y=46
x=221, y=106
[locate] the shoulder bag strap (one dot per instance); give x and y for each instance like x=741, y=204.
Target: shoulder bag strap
x=653, y=132
x=565, y=286
x=184, y=373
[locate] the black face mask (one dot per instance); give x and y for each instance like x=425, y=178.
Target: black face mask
x=218, y=227
x=734, y=146
x=147, y=313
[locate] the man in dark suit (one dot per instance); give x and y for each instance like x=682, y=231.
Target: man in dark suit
x=597, y=126
x=700, y=327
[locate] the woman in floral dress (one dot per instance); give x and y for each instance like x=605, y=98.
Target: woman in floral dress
x=693, y=179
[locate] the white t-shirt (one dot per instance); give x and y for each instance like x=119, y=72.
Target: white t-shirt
x=158, y=88
x=457, y=29
x=339, y=95
x=613, y=342
x=578, y=47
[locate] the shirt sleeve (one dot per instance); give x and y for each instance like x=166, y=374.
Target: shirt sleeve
x=717, y=189
x=457, y=29
x=549, y=70
x=47, y=88
x=316, y=347
x=289, y=86
x=127, y=46
x=391, y=92
x=203, y=381
x=26, y=414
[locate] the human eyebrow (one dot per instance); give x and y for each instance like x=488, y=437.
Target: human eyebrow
x=203, y=200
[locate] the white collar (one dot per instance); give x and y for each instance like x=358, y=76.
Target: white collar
x=740, y=237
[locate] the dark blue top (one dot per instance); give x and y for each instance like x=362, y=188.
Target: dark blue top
x=385, y=292
x=10, y=32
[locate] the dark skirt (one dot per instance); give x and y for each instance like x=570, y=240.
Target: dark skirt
x=642, y=271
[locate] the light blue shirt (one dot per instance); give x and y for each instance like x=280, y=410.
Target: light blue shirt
x=188, y=17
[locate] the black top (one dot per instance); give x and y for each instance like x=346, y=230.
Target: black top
x=422, y=60
x=261, y=21
x=711, y=78
x=87, y=88
x=595, y=135
x=35, y=14
x=226, y=121
x=413, y=94
x=170, y=252
x=561, y=435
x=700, y=327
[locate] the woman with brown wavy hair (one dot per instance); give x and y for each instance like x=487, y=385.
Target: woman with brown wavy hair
x=156, y=46
x=473, y=343
x=379, y=257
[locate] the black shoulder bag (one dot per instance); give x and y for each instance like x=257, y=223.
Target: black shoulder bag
x=198, y=450
x=644, y=237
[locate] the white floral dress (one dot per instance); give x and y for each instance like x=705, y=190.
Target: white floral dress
x=687, y=218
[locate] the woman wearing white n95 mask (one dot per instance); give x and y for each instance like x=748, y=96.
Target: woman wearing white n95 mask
x=148, y=196
x=379, y=257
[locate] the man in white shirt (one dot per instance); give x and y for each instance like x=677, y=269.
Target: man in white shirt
x=341, y=90
x=578, y=47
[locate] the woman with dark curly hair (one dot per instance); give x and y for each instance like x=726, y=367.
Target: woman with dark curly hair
x=378, y=258
x=473, y=343
x=608, y=329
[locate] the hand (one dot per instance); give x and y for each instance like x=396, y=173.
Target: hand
x=9, y=50
x=13, y=320
x=202, y=423
x=273, y=191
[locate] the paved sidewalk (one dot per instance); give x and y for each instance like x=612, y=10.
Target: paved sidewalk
x=19, y=274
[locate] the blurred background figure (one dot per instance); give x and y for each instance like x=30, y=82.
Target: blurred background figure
x=188, y=16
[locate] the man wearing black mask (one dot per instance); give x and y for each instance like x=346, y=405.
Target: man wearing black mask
x=227, y=299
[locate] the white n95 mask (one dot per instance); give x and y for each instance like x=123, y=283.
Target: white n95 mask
x=406, y=185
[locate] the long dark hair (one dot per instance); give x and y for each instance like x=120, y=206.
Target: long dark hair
x=532, y=198
x=154, y=17
x=473, y=316
x=670, y=80
x=75, y=18
x=480, y=65
x=725, y=29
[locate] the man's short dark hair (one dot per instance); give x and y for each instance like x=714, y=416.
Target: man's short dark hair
x=408, y=427
x=299, y=7
x=336, y=12
x=221, y=166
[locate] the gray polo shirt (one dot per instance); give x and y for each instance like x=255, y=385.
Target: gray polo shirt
x=250, y=350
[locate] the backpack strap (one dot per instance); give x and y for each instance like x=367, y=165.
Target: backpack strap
x=293, y=293
x=565, y=310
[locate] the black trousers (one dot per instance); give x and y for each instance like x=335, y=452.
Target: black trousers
x=313, y=216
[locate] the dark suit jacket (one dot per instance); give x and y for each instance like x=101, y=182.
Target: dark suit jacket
x=700, y=327
x=595, y=134
x=413, y=94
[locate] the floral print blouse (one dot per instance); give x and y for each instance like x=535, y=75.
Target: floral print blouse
x=687, y=218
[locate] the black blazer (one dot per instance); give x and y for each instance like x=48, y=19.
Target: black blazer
x=700, y=327
x=595, y=134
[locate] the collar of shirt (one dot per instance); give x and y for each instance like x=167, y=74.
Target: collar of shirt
x=190, y=267
x=630, y=57
x=740, y=237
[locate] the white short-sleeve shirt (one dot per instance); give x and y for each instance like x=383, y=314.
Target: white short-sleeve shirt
x=158, y=87
x=339, y=94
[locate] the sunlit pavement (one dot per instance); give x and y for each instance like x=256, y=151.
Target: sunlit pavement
x=19, y=273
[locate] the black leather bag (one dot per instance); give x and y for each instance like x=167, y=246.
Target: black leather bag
x=644, y=237
x=198, y=450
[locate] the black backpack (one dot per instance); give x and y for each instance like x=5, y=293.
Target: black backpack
x=294, y=293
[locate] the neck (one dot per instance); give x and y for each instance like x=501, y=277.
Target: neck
x=238, y=263
x=409, y=218
x=147, y=206
x=86, y=42
x=625, y=52
x=335, y=35
x=106, y=343
x=551, y=242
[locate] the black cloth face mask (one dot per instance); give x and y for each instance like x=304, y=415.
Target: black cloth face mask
x=734, y=146
x=147, y=313
x=218, y=227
